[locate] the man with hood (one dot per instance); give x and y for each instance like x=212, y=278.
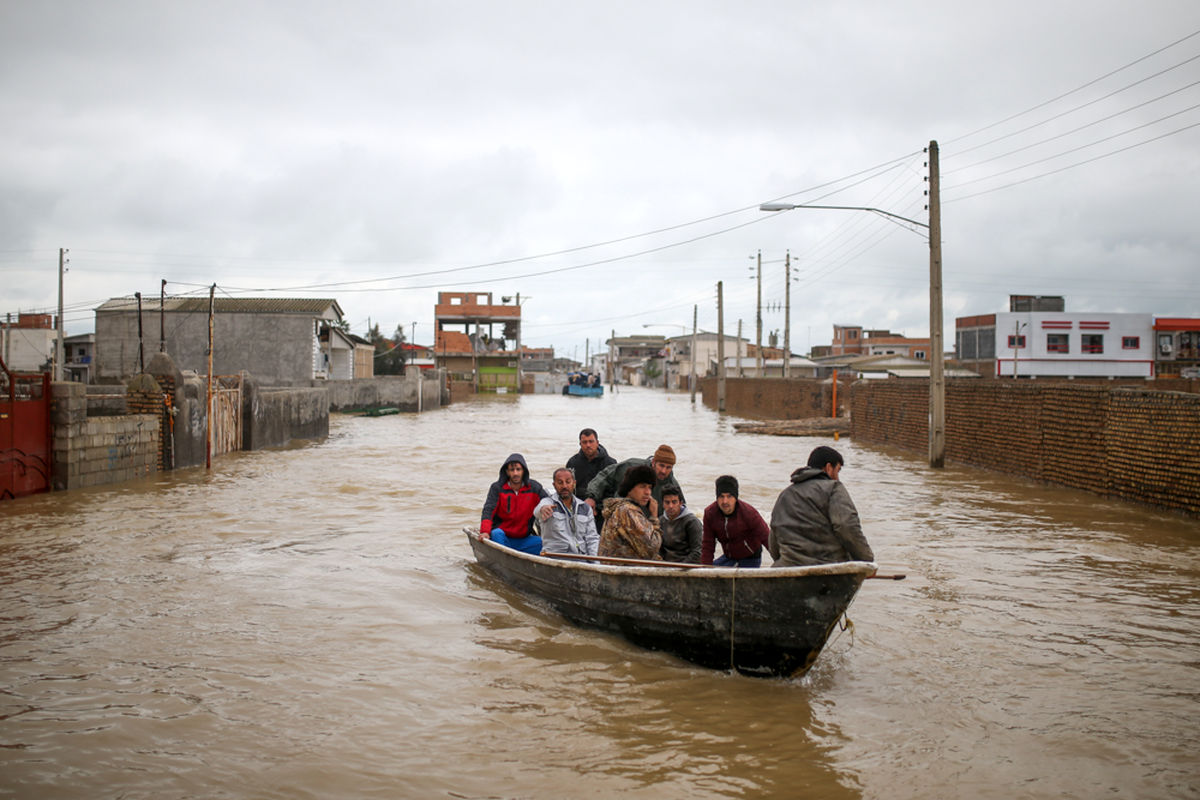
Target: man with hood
x=508, y=511
x=814, y=520
x=737, y=525
x=591, y=458
x=629, y=530
x=612, y=477
x=568, y=525
x=682, y=532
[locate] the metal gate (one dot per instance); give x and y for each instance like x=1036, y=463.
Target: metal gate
x=26, y=436
x=226, y=414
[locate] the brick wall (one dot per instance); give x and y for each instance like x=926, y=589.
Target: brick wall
x=1132, y=443
x=773, y=398
x=93, y=452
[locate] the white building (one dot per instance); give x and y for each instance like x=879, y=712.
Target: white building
x=1059, y=344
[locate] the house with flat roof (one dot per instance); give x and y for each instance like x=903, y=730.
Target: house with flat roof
x=279, y=341
x=479, y=340
x=1057, y=344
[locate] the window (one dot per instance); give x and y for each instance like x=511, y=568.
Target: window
x=1092, y=342
x=1057, y=343
x=1131, y=342
x=1016, y=342
x=851, y=334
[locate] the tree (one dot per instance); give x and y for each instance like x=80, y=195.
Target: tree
x=389, y=353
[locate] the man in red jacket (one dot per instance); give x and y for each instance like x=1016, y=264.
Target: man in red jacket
x=508, y=511
x=737, y=525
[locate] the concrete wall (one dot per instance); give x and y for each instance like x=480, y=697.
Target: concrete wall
x=273, y=417
x=386, y=391
x=93, y=452
x=1134, y=444
x=275, y=347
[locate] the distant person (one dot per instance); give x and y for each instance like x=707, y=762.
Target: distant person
x=606, y=482
x=591, y=458
x=682, y=531
x=629, y=530
x=508, y=511
x=567, y=523
x=737, y=525
x=814, y=520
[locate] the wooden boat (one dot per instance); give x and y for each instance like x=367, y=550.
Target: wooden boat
x=584, y=391
x=762, y=622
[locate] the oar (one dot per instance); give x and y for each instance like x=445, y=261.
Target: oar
x=897, y=577
x=637, y=562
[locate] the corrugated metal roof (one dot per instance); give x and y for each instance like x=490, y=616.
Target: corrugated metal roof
x=226, y=305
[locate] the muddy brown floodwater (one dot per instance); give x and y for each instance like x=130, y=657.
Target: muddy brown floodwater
x=309, y=623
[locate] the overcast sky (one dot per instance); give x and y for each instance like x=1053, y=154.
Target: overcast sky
x=604, y=160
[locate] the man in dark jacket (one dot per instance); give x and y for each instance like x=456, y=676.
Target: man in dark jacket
x=814, y=520
x=591, y=458
x=682, y=533
x=508, y=511
x=606, y=483
x=737, y=525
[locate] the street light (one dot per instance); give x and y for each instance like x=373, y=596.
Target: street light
x=937, y=384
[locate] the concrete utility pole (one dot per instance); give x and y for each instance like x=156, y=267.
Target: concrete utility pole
x=787, y=315
x=692, y=372
x=518, y=342
x=612, y=367
x=208, y=414
x=162, y=317
x=758, y=322
x=721, y=347
x=58, y=350
x=740, y=369
x=141, y=350
x=937, y=378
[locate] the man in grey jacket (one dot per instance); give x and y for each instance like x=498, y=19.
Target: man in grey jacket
x=566, y=522
x=814, y=520
x=682, y=531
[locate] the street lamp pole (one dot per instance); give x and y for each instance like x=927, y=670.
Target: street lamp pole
x=937, y=380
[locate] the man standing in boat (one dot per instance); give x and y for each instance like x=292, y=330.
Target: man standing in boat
x=591, y=458
x=568, y=525
x=508, y=511
x=629, y=529
x=814, y=520
x=737, y=525
x=662, y=464
x=682, y=533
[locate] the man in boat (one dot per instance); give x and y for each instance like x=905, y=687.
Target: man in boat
x=591, y=458
x=814, y=520
x=567, y=523
x=737, y=525
x=508, y=511
x=609, y=479
x=682, y=532
x=629, y=530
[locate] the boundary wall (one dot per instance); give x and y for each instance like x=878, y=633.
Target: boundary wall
x=99, y=450
x=775, y=398
x=1134, y=444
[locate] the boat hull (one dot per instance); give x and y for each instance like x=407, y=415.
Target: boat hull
x=768, y=622
x=585, y=391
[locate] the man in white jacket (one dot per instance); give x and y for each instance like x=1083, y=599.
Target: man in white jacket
x=568, y=524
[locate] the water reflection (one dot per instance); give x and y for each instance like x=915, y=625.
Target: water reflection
x=308, y=623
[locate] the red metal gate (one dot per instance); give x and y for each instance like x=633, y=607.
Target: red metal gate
x=26, y=435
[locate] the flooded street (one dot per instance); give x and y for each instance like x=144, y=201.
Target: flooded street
x=310, y=623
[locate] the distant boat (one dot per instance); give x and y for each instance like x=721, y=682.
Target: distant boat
x=760, y=622
x=584, y=391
